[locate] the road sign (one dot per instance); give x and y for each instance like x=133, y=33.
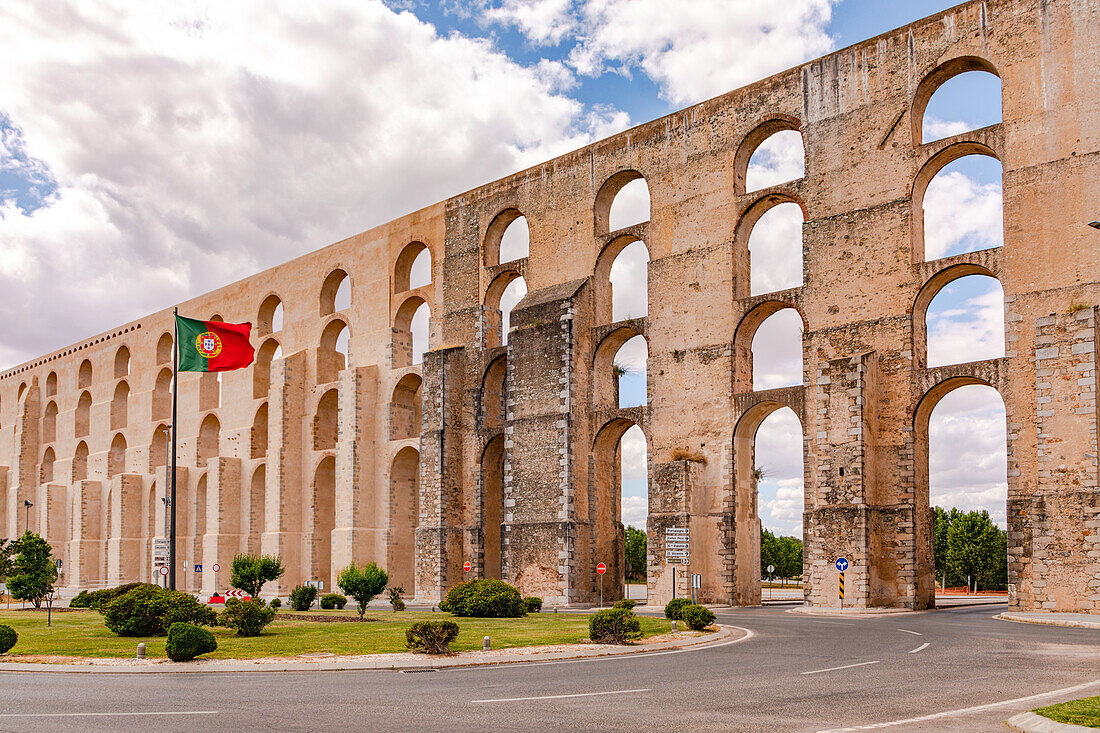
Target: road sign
x=236, y=593
x=216, y=567
x=601, y=568
x=677, y=545
x=842, y=564
x=669, y=531
x=59, y=564
x=198, y=568
x=677, y=553
x=771, y=569
x=696, y=580
x=164, y=570
x=466, y=566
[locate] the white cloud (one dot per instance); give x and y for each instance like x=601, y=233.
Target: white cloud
x=630, y=282
x=635, y=511
x=775, y=247
x=780, y=158
x=543, y=22
x=633, y=454
x=779, y=456
x=961, y=215
x=777, y=351
x=971, y=332
x=630, y=207
x=195, y=143
x=934, y=128
x=512, y=295
x=633, y=355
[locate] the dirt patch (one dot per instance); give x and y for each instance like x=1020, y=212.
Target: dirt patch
x=322, y=618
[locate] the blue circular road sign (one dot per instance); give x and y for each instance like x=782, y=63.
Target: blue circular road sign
x=842, y=564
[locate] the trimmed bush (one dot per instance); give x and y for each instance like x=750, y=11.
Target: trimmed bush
x=431, y=637
x=614, y=626
x=148, y=611
x=697, y=617
x=183, y=608
x=98, y=599
x=675, y=607
x=248, y=617
x=396, y=601
x=187, y=641
x=484, y=599
x=276, y=603
x=301, y=598
x=533, y=604
x=8, y=637
x=627, y=603
x=330, y=601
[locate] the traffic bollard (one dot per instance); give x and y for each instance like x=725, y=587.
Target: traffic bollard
x=674, y=626
x=486, y=645
x=141, y=650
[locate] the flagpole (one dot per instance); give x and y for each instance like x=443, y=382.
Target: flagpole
x=172, y=480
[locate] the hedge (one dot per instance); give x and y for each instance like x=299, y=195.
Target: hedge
x=187, y=641
x=484, y=599
x=675, y=607
x=8, y=637
x=697, y=617
x=614, y=626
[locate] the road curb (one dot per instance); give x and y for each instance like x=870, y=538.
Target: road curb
x=1039, y=620
x=849, y=612
x=384, y=662
x=1034, y=723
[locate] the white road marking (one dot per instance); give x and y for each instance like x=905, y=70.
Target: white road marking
x=833, y=669
x=914, y=633
x=108, y=715
x=560, y=697
x=922, y=646
x=976, y=709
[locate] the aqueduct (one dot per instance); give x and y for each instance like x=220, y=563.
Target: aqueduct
x=501, y=446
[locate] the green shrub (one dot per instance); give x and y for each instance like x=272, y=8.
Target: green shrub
x=484, y=599
x=533, y=604
x=148, y=611
x=675, y=607
x=301, y=598
x=396, y=601
x=80, y=600
x=330, y=601
x=187, y=641
x=697, y=617
x=182, y=607
x=97, y=599
x=8, y=637
x=276, y=603
x=614, y=626
x=248, y=617
x=431, y=637
x=363, y=583
x=627, y=603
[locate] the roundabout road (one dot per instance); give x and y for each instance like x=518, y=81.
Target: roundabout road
x=797, y=672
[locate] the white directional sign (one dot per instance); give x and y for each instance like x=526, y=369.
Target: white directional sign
x=676, y=553
x=678, y=545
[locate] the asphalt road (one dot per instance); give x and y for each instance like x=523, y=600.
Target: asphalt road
x=794, y=673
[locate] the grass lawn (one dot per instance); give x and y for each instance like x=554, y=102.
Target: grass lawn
x=1085, y=711
x=82, y=634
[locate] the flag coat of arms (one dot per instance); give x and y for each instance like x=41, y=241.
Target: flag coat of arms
x=213, y=346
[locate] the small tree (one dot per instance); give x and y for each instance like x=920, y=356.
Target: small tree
x=363, y=583
x=33, y=572
x=635, y=542
x=8, y=550
x=250, y=572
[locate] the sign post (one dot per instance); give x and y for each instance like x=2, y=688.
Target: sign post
x=677, y=549
x=842, y=565
x=601, y=569
x=466, y=569
x=215, y=567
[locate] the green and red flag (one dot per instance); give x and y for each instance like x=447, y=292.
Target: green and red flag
x=213, y=346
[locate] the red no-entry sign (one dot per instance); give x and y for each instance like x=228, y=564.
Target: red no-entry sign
x=601, y=568
x=466, y=566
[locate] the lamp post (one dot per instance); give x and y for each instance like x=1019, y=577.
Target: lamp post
x=165, y=500
x=28, y=504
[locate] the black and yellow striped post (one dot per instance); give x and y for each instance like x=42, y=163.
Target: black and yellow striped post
x=842, y=589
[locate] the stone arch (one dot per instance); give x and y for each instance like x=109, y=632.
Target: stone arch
x=333, y=290
x=158, y=447
x=937, y=78
x=261, y=368
x=198, y=526
x=605, y=380
x=501, y=296
x=164, y=348
x=209, y=442
x=492, y=506
x=606, y=196
x=604, y=508
x=257, y=503
x=269, y=318
x=406, y=333
x=495, y=239
x=326, y=422
x=404, y=513
x=210, y=391
x=745, y=334
x=752, y=142
x=162, y=395
x=120, y=406
x=408, y=265
x=604, y=291
x=924, y=177
x=48, y=459
x=330, y=359
x=49, y=423
x=116, y=456
x=324, y=518
x=21, y=392
x=84, y=375
x=82, y=423
x=928, y=293
x=748, y=276
x=405, y=404
x=258, y=448
x=80, y=462
x=51, y=384
x=493, y=412
x=122, y=362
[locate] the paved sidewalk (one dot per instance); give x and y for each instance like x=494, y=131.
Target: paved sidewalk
x=1073, y=620
x=1032, y=723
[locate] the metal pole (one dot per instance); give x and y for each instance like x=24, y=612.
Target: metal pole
x=172, y=481
x=601, y=591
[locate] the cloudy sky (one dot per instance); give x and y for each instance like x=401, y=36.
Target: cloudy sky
x=151, y=151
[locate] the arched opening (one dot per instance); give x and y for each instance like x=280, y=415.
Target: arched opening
x=962, y=206
x=771, y=154
x=261, y=368
x=332, y=354
x=777, y=351
x=960, y=95
x=630, y=372
x=506, y=290
x=122, y=362
x=49, y=423
x=162, y=395
x=164, y=349
x=619, y=371
x=405, y=408
x=51, y=384
x=120, y=406
x=630, y=283
x=335, y=293
x=116, y=457
x=410, y=333
x=198, y=509
x=83, y=415
x=158, y=448
x=324, y=518
x=326, y=421
x=21, y=392
x=964, y=321
x=269, y=319
x=209, y=440
x=622, y=201
x=404, y=516
x=48, y=459
x=619, y=497
x=80, y=462
x=492, y=505
x=413, y=268
x=775, y=247
x=257, y=509
x=962, y=476
x=493, y=403
x=259, y=433
x=507, y=238
x=84, y=375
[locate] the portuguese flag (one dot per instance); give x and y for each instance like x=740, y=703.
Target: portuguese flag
x=213, y=346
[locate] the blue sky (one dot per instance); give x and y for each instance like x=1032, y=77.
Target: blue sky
x=195, y=143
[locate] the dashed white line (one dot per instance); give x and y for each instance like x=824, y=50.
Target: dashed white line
x=108, y=715
x=833, y=669
x=914, y=633
x=922, y=646
x=560, y=697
